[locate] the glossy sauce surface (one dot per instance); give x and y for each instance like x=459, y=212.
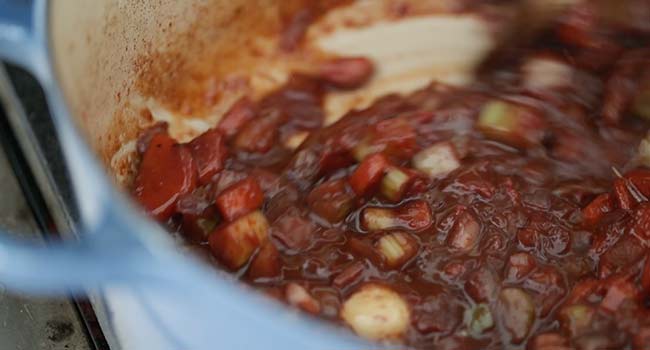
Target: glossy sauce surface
x=485, y=217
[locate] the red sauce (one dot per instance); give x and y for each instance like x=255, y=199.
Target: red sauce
x=496, y=200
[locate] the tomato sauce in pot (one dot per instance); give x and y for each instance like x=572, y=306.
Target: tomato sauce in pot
x=510, y=213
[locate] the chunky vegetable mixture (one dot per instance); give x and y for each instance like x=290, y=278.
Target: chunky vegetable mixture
x=511, y=213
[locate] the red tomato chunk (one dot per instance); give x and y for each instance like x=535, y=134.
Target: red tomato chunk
x=167, y=171
x=240, y=199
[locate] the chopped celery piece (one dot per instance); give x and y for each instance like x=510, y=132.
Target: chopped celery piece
x=478, y=319
x=437, y=160
x=397, y=248
x=393, y=184
x=377, y=219
x=498, y=116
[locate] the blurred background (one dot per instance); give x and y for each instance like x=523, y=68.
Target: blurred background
x=35, y=197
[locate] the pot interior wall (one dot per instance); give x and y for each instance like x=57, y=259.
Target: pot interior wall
x=124, y=65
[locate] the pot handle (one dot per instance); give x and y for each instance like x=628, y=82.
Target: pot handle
x=111, y=248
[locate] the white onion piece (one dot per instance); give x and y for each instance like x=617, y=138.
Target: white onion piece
x=376, y=312
x=437, y=160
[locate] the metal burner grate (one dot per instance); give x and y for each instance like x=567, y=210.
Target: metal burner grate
x=36, y=197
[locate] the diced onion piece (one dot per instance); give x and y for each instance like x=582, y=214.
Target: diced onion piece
x=368, y=174
x=394, y=184
x=234, y=243
x=437, y=160
x=541, y=73
x=376, y=312
x=575, y=319
x=478, y=319
x=295, y=140
x=465, y=233
x=298, y=296
x=517, y=313
x=397, y=248
x=519, y=265
x=377, y=219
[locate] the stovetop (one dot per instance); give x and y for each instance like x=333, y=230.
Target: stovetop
x=36, y=197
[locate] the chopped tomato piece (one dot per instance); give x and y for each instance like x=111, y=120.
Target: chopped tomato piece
x=396, y=137
x=266, y=264
x=331, y=200
x=622, y=195
x=482, y=285
x=415, y=215
x=641, y=227
x=259, y=135
x=240, y=199
x=369, y=173
x=210, y=152
x=641, y=180
x=199, y=215
x=235, y=242
x=167, y=172
x=293, y=231
x=624, y=253
x=348, y=72
x=364, y=249
x=349, y=275
x=595, y=210
x=582, y=290
x=238, y=115
x=578, y=27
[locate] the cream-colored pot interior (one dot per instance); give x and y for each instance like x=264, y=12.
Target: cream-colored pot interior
x=126, y=64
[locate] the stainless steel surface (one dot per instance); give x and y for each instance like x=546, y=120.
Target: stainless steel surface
x=32, y=323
